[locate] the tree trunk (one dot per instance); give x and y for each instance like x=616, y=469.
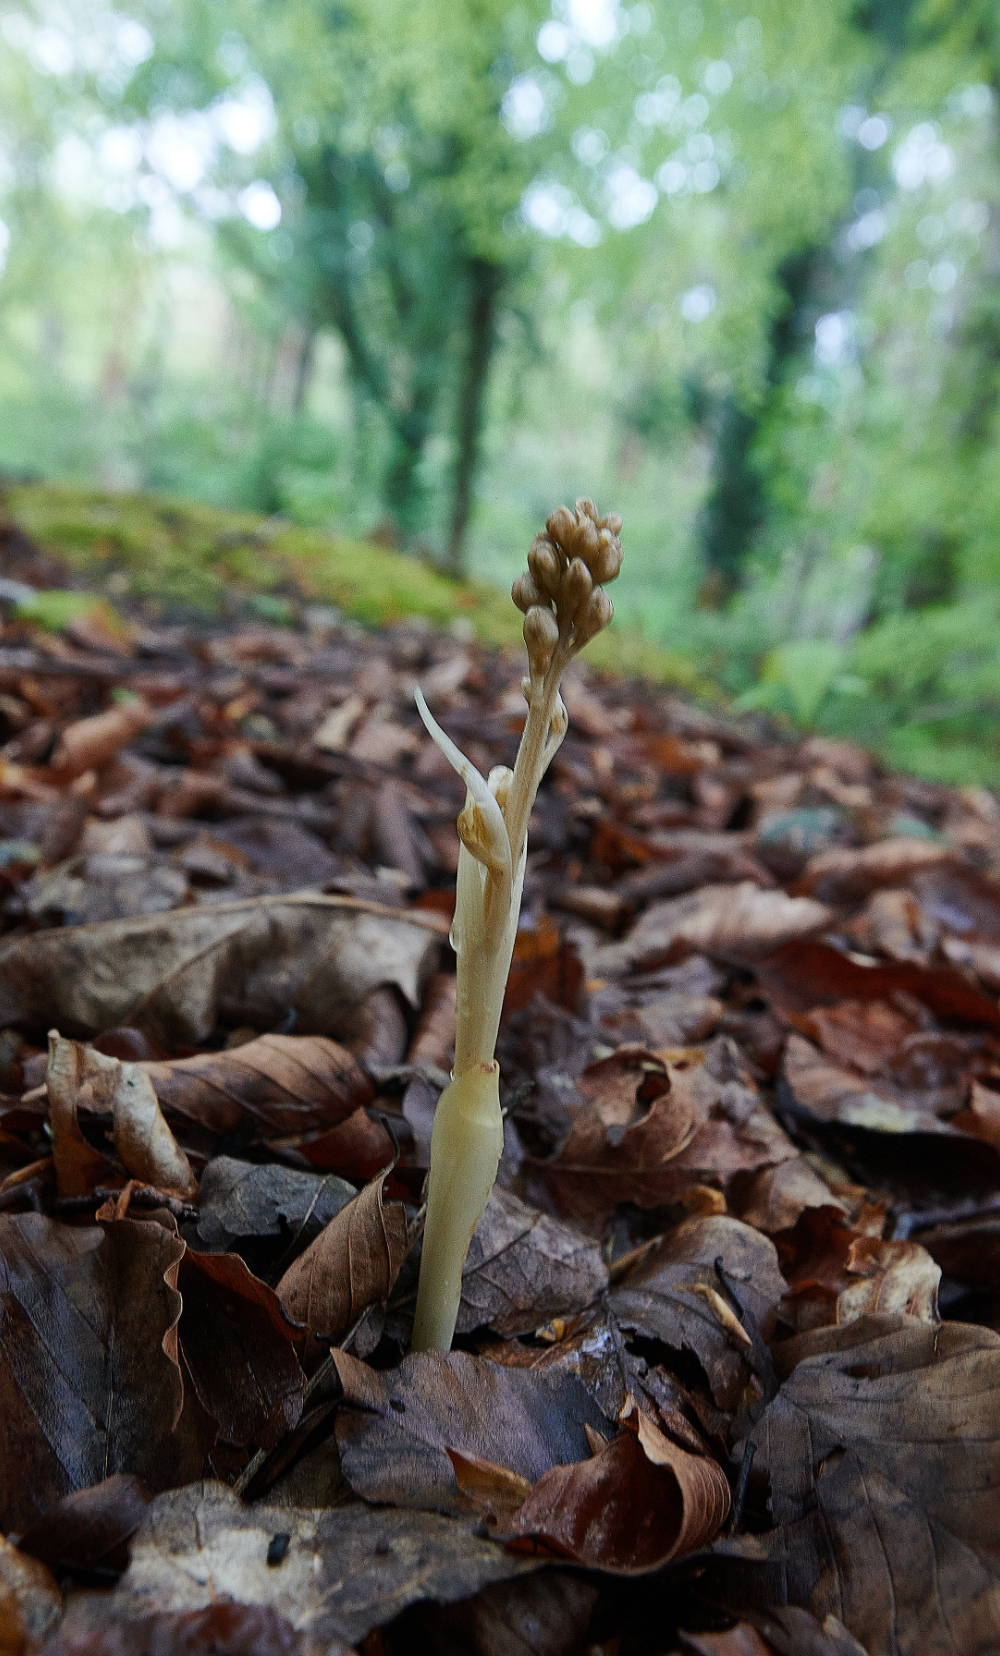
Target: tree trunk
x=485, y=285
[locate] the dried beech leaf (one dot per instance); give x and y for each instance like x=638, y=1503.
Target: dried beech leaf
x=91, y=1528
x=78, y=1076
x=79, y=1167
x=90, y=1383
x=658, y=1298
x=845, y=876
x=276, y=1085
x=741, y=922
x=352, y=1264
x=240, y=1200
x=544, y=1614
x=395, y=1429
x=883, y=1454
x=239, y=1351
x=634, y=1506
x=524, y=1268
x=344, y=1571
x=90, y=743
x=174, y=976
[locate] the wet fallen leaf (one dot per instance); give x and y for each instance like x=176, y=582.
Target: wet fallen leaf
x=638, y=1503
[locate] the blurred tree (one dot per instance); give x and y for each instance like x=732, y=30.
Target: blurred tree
x=396, y=175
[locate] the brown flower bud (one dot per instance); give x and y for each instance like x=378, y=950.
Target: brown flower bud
x=593, y=618
x=574, y=590
x=585, y=508
x=541, y=635
x=560, y=525
x=545, y=566
x=612, y=522
x=525, y=593
x=586, y=540
x=608, y=559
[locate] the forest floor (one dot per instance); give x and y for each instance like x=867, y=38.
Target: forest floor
x=727, y=1372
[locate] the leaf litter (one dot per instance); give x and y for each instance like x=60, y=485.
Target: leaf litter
x=728, y=1340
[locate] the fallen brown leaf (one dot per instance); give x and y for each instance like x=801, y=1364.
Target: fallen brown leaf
x=88, y=1532
x=270, y=1088
x=739, y=922
x=845, y=876
x=524, y=1268
x=228, y=1628
x=239, y=1201
x=637, y=1504
x=883, y=1454
x=395, y=1430
x=174, y=976
x=91, y=1382
x=343, y=1571
x=661, y=1298
x=238, y=1349
x=352, y=1264
x=90, y=743
x=78, y=1077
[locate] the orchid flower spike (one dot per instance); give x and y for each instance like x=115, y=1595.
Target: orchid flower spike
x=565, y=605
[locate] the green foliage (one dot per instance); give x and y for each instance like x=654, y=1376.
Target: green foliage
x=785, y=372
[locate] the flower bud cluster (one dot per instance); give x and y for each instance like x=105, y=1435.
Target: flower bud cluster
x=562, y=592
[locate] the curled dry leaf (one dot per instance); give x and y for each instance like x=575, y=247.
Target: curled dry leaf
x=395, y=1429
x=674, y=1293
x=352, y=1264
x=883, y=1454
x=90, y=743
x=837, y=1276
x=524, y=1268
x=658, y=1127
x=344, y=1571
x=175, y=976
x=270, y=1088
x=740, y=922
x=91, y=1382
x=637, y=1504
x=80, y=1077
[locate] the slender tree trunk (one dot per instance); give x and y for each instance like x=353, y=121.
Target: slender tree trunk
x=485, y=284
x=304, y=367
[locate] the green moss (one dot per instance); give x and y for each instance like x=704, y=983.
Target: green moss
x=188, y=555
